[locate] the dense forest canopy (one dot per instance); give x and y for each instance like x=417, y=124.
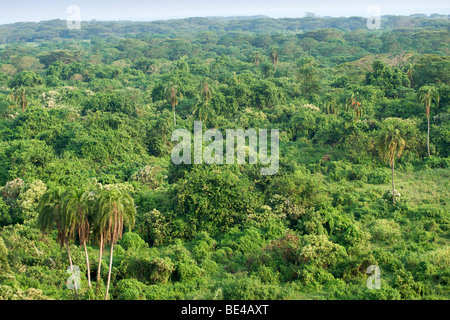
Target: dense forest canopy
x=57, y=29
x=86, y=118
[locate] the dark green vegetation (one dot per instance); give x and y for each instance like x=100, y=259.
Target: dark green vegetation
x=86, y=119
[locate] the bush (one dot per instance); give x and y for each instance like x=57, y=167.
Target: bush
x=436, y=162
x=132, y=241
x=405, y=284
x=202, y=250
x=111, y=102
x=154, y=226
x=387, y=231
x=187, y=271
x=268, y=275
x=215, y=198
x=250, y=289
x=5, y=216
x=313, y=277
x=26, y=79
x=4, y=266
x=320, y=251
x=129, y=289
x=159, y=292
x=146, y=270
x=378, y=176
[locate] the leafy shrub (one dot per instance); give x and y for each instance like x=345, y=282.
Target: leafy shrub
x=160, y=292
x=246, y=288
x=187, y=271
x=378, y=176
x=4, y=265
x=155, y=227
x=26, y=79
x=148, y=176
x=385, y=231
x=5, y=216
x=313, y=277
x=204, y=246
x=436, y=162
x=146, y=270
x=132, y=241
x=268, y=275
x=358, y=290
x=300, y=188
x=29, y=199
x=111, y=102
x=214, y=199
x=129, y=289
x=320, y=251
x=405, y=284
x=387, y=196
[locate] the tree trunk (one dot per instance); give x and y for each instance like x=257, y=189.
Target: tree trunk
x=428, y=137
x=87, y=265
x=174, y=118
x=71, y=268
x=109, y=273
x=393, y=185
x=100, y=261
x=23, y=100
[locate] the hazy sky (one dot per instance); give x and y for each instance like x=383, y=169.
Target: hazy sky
x=38, y=10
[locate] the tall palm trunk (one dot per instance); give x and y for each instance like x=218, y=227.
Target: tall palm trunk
x=174, y=118
x=87, y=265
x=428, y=137
x=99, y=261
x=71, y=268
x=23, y=100
x=109, y=272
x=393, y=185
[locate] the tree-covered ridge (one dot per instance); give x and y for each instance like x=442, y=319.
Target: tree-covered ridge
x=209, y=26
x=86, y=128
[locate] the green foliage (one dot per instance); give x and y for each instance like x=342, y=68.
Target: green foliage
x=129, y=289
x=321, y=252
x=389, y=79
x=378, y=176
x=132, y=241
x=4, y=265
x=385, y=231
x=111, y=102
x=431, y=69
x=146, y=270
x=26, y=79
x=213, y=200
x=245, y=288
x=86, y=120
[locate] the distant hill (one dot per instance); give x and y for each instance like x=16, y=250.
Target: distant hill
x=23, y=32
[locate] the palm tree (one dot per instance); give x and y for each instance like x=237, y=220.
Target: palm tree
x=426, y=95
x=351, y=103
x=173, y=96
x=18, y=98
x=77, y=211
x=391, y=145
x=182, y=64
x=51, y=212
x=204, y=97
x=329, y=105
x=115, y=209
x=274, y=58
x=256, y=58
